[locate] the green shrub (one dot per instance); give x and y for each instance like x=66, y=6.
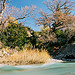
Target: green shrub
x=14, y=35
x=61, y=36
x=60, y=33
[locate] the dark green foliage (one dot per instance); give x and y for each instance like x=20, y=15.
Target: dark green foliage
x=61, y=36
x=60, y=33
x=33, y=39
x=14, y=35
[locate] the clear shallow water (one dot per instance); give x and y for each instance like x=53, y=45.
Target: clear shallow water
x=45, y=69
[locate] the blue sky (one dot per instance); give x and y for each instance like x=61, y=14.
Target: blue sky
x=22, y=3
x=38, y=3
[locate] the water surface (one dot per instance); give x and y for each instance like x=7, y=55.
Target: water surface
x=44, y=69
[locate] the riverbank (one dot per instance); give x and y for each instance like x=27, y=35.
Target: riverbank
x=26, y=56
x=49, y=61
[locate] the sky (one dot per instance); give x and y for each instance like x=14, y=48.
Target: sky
x=23, y=3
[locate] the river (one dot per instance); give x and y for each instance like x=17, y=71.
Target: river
x=67, y=68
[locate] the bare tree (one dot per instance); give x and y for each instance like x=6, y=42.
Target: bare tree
x=60, y=14
x=59, y=17
x=60, y=5
x=2, y=5
x=18, y=14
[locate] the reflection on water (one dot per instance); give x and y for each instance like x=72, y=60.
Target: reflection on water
x=45, y=69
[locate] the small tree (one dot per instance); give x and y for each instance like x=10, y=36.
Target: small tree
x=46, y=37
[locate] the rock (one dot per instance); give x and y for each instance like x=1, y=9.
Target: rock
x=67, y=52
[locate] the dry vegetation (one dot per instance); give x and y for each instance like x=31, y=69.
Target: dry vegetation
x=26, y=57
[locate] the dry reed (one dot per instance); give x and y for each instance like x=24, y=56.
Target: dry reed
x=26, y=57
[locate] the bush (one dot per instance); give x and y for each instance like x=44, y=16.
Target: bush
x=14, y=35
x=61, y=36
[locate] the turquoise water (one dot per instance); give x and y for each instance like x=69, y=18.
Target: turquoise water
x=44, y=69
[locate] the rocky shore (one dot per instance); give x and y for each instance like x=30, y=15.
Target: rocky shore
x=66, y=53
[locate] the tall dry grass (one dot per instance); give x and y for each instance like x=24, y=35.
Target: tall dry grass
x=26, y=57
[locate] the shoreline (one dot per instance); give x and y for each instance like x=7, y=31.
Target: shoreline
x=54, y=60
x=48, y=61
